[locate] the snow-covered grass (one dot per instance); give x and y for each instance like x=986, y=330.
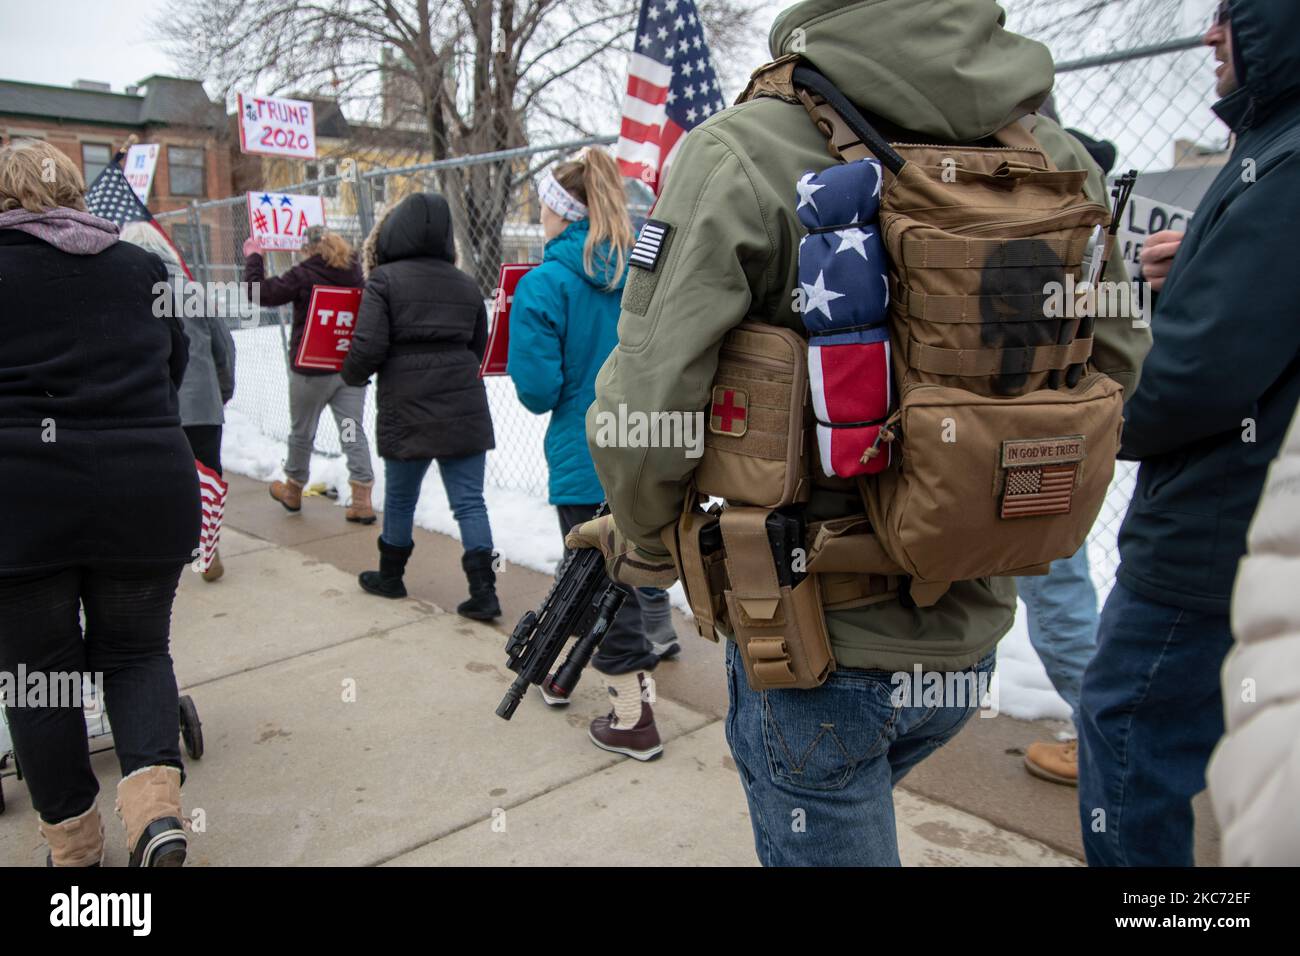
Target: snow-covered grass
x=524, y=525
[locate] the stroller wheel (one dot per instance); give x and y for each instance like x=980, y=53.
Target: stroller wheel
x=191, y=728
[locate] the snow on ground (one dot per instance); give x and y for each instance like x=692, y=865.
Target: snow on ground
x=524, y=525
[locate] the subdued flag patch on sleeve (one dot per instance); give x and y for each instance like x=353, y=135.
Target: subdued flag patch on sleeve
x=650, y=245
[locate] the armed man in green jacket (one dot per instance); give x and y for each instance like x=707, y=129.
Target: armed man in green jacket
x=818, y=765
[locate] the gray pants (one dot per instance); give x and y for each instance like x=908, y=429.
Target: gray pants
x=308, y=396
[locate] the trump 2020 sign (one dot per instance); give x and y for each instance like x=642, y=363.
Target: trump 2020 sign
x=272, y=126
x=328, y=336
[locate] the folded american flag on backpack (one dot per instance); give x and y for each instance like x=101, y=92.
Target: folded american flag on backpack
x=844, y=288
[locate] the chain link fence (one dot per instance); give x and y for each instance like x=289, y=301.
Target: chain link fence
x=1153, y=103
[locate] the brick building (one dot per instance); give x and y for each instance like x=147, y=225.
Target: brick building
x=90, y=122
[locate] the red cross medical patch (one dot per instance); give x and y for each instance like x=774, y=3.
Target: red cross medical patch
x=729, y=414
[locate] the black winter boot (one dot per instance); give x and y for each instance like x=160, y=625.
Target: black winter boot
x=482, y=604
x=387, y=581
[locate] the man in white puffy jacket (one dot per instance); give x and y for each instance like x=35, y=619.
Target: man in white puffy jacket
x=1254, y=776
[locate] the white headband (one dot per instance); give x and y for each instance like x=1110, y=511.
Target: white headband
x=559, y=199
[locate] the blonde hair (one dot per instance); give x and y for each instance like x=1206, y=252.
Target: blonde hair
x=149, y=239
x=595, y=181
x=37, y=177
x=333, y=248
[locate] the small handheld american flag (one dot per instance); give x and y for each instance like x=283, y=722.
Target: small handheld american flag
x=111, y=197
x=671, y=88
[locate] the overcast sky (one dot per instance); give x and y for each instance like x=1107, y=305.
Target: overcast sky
x=58, y=41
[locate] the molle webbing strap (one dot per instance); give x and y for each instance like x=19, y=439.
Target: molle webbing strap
x=990, y=253
x=982, y=362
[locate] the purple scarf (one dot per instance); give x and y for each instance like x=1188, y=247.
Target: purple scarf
x=69, y=230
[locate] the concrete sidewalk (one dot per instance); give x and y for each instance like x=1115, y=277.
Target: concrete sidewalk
x=343, y=729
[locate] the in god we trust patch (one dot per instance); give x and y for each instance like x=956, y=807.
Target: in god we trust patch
x=650, y=245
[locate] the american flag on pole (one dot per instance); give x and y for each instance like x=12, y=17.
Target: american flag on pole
x=671, y=88
x=212, y=492
x=111, y=197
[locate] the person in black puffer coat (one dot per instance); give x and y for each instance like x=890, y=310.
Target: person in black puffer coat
x=99, y=508
x=423, y=327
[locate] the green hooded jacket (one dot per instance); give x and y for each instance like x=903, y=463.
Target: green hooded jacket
x=943, y=68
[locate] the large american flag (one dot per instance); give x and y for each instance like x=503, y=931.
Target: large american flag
x=111, y=197
x=671, y=88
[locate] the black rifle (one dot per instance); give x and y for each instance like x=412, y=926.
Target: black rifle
x=582, y=603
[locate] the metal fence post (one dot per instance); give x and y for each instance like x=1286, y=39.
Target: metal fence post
x=200, y=246
x=365, y=208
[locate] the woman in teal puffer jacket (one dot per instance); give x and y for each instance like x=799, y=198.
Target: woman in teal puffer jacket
x=563, y=325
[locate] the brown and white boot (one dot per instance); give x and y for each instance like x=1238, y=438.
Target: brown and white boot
x=628, y=729
x=1057, y=762
x=149, y=805
x=78, y=841
x=359, y=510
x=288, y=493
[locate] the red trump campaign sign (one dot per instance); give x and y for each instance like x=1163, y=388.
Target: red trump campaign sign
x=273, y=126
x=498, y=347
x=328, y=336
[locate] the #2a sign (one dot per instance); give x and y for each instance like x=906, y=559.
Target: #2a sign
x=273, y=126
x=281, y=220
x=498, y=346
x=331, y=316
x=141, y=162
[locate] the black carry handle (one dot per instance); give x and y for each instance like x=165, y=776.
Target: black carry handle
x=806, y=76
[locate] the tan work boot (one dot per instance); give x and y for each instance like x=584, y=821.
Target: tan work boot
x=149, y=805
x=1057, y=762
x=288, y=493
x=360, y=510
x=216, y=569
x=75, y=842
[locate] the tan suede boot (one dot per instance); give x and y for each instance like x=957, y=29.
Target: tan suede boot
x=360, y=510
x=149, y=805
x=75, y=842
x=288, y=493
x=1057, y=762
x=216, y=569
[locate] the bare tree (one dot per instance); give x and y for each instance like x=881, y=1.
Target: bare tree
x=478, y=75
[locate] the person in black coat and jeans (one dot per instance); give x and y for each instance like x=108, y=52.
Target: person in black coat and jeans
x=423, y=328
x=99, y=508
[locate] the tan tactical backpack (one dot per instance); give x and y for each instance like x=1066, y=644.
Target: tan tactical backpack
x=1005, y=436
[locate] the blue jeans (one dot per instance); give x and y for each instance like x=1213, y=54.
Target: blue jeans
x=1062, y=619
x=463, y=480
x=819, y=766
x=1150, y=713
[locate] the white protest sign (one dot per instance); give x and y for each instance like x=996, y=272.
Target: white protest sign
x=281, y=220
x=1142, y=218
x=141, y=162
x=272, y=126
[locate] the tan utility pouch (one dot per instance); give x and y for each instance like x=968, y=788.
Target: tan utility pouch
x=995, y=485
x=695, y=544
x=779, y=630
x=754, y=447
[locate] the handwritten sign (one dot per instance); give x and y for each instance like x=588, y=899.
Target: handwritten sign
x=331, y=316
x=272, y=126
x=281, y=220
x=498, y=346
x=1142, y=218
x=141, y=162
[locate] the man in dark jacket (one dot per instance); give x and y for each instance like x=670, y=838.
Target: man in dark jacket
x=328, y=261
x=423, y=328
x=1217, y=392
